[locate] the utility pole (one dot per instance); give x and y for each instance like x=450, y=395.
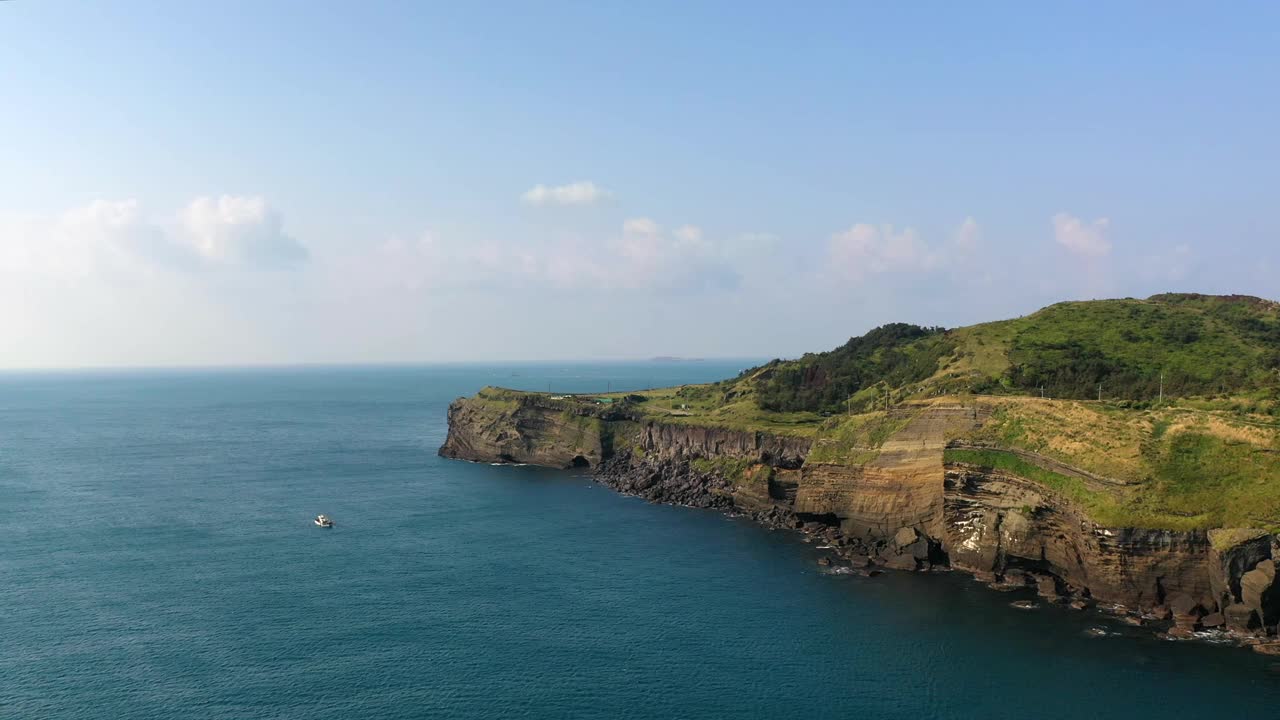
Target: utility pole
x=1161, y=386
x=1099, y=392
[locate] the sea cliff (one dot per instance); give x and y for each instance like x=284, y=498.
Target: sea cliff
x=912, y=498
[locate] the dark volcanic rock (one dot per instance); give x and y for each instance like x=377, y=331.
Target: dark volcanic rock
x=667, y=481
x=776, y=517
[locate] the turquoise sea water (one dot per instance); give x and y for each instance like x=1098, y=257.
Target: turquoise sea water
x=157, y=560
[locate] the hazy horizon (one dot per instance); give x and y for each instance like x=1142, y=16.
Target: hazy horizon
x=323, y=184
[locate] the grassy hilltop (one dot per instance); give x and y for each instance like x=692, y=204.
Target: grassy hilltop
x=1192, y=345
x=1205, y=454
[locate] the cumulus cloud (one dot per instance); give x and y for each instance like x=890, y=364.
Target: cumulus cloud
x=100, y=236
x=118, y=236
x=1087, y=240
x=234, y=230
x=866, y=248
x=583, y=192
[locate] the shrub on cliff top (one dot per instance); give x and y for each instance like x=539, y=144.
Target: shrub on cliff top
x=894, y=354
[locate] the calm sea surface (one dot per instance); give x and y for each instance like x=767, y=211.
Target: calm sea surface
x=157, y=560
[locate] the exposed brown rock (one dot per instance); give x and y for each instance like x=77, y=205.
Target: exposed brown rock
x=1241, y=618
x=1232, y=553
x=1258, y=591
x=988, y=524
x=905, y=507
x=898, y=489
x=1183, y=604
x=1047, y=586
x=524, y=431
x=901, y=562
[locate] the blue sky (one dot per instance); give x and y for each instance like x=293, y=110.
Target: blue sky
x=280, y=182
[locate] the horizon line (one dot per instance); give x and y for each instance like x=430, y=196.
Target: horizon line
x=653, y=359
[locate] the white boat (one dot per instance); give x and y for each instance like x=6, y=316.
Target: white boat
x=323, y=521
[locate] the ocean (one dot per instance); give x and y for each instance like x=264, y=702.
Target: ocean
x=158, y=560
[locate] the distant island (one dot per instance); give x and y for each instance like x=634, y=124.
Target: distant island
x=1123, y=454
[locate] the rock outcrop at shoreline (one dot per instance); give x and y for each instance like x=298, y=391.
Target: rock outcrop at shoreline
x=906, y=509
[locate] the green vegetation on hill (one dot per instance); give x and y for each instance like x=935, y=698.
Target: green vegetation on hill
x=890, y=355
x=853, y=440
x=1125, y=346
x=1185, y=345
x=1101, y=507
x=1171, y=467
x=1206, y=457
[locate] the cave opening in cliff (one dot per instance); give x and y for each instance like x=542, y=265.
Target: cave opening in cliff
x=579, y=462
x=828, y=519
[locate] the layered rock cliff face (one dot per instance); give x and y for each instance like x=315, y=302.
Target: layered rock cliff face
x=673, y=441
x=907, y=508
x=490, y=428
x=996, y=521
x=898, y=489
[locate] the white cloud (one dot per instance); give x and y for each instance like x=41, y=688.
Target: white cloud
x=689, y=233
x=576, y=193
x=1086, y=240
x=866, y=248
x=100, y=236
x=640, y=226
x=234, y=230
x=969, y=235
x=118, y=237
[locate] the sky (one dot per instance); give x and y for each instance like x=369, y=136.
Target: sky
x=243, y=183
